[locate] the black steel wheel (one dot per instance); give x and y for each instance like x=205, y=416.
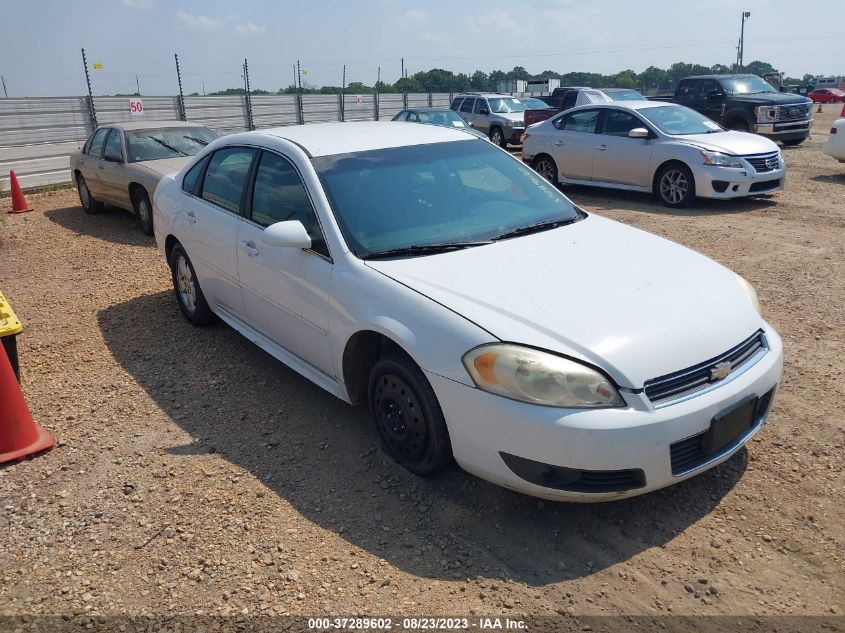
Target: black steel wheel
x=407, y=415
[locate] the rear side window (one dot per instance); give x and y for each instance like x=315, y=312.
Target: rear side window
x=583, y=121
x=569, y=99
x=688, y=90
x=226, y=176
x=95, y=145
x=466, y=106
x=189, y=182
x=456, y=103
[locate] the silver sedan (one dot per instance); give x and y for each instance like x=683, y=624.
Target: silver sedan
x=121, y=164
x=663, y=148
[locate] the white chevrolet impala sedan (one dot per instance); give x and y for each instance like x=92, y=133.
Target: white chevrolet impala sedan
x=479, y=314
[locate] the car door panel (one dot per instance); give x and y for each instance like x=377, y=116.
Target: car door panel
x=573, y=144
x=285, y=290
x=112, y=170
x=92, y=162
x=618, y=158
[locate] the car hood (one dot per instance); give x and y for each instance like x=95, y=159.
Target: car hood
x=771, y=98
x=735, y=143
x=632, y=303
x=164, y=166
x=511, y=116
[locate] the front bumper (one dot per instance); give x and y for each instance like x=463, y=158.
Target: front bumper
x=636, y=438
x=785, y=131
x=730, y=182
x=513, y=134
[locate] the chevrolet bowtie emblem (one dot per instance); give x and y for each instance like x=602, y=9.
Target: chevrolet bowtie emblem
x=720, y=370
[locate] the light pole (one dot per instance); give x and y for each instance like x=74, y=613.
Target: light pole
x=741, y=47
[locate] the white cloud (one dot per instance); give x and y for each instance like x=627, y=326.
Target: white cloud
x=413, y=17
x=249, y=29
x=197, y=22
x=138, y=4
x=499, y=22
x=439, y=39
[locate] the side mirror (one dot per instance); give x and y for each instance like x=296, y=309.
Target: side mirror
x=638, y=132
x=484, y=111
x=290, y=234
x=471, y=124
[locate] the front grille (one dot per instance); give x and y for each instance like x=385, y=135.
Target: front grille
x=689, y=454
x=794, y=112
x=764, y=162
x=687, y=382
x=765, y=185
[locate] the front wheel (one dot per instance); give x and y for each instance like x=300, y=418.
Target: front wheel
x=547, y=168
x=407, y=416
x=739, y=125
x=674, y=185
x=189, y=295
x=792, y=142
x=497, y=137
x=144, y=210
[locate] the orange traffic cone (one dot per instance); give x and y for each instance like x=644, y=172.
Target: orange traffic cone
x=818, y=111
x=18, y=201
x=20, y=435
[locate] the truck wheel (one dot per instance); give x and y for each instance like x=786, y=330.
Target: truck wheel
x=740, y=125
x=547, y=168
x=793, y=141
x=674, y=185
x=497, y=137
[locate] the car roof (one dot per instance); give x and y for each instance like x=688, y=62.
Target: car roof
x=485, y=94
x=744, y=76
x=150, y=125
x=629, y=105
x=427, y=109
x=326, y=139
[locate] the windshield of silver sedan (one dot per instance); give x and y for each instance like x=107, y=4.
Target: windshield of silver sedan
x=422, y=199
x=171, y=142
x=680, y=120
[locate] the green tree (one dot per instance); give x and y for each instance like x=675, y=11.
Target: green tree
x=758, y=68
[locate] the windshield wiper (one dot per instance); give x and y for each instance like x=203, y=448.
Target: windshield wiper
x=195, y=139
x=534, y=228
x=425, y=249
x=168, y=146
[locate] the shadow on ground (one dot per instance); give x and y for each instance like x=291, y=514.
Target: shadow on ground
x=834, y=178
x=111, y=224
x=322, y=456
x=613, y=199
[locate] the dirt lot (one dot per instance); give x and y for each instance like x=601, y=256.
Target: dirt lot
x=195, y=473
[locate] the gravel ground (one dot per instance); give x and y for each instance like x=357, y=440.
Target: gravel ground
x=195, y=474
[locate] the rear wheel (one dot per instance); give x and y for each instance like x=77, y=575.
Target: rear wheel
x=497, y=137
x=189, y=295
x=739, y=125
x=407, y=415
x=674, y=185
x=547, y=168
x=144, y=209
x=85, y=198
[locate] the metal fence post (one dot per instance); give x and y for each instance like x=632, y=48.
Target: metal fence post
x=340, y=106
x=248, y=98
x=182, y=113
x=430, y=100
x=375, y=97
x=92, y=111
x=404, y=100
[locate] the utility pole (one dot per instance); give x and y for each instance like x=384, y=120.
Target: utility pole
x=403, y=69
x=3, y=80
x=741, y=51
x=137, y=85
x=90, y=96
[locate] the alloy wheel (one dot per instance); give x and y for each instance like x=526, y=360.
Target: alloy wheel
x=186, y=284
x=547, y=170
x=674, y=186
x=84, y=194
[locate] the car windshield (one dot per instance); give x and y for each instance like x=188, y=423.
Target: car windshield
x=170, y=142
x=746, y=86
x=625, y=95
x=506, y=104
x=439, y=194
x=533, y=104
x=679, y=120
x=441, y=117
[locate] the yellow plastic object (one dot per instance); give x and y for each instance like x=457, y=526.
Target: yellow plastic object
x=9, y=323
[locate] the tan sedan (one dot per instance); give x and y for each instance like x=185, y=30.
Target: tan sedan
x=121, y=164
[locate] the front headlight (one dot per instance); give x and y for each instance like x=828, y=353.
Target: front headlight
x=765, y=113
x=529, y=375
x=514, y=123
x=717, y=159
x=750, y=292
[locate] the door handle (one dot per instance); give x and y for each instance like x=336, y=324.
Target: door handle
x=249, y=247
x=601, y=148
x=558, y=143
x=189, y=215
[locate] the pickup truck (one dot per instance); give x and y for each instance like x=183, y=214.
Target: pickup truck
x=747, y=103
x=565, y=98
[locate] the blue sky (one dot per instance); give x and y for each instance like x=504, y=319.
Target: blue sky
x=40, y=39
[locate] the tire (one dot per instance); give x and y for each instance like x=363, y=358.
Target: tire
x=189, y=295
x=497, y=137
x=793, y=142
x=144, y=209
x=739, y=125
x=547, y=168
x=407, y=416
x=674, y=185
x=89, y=204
